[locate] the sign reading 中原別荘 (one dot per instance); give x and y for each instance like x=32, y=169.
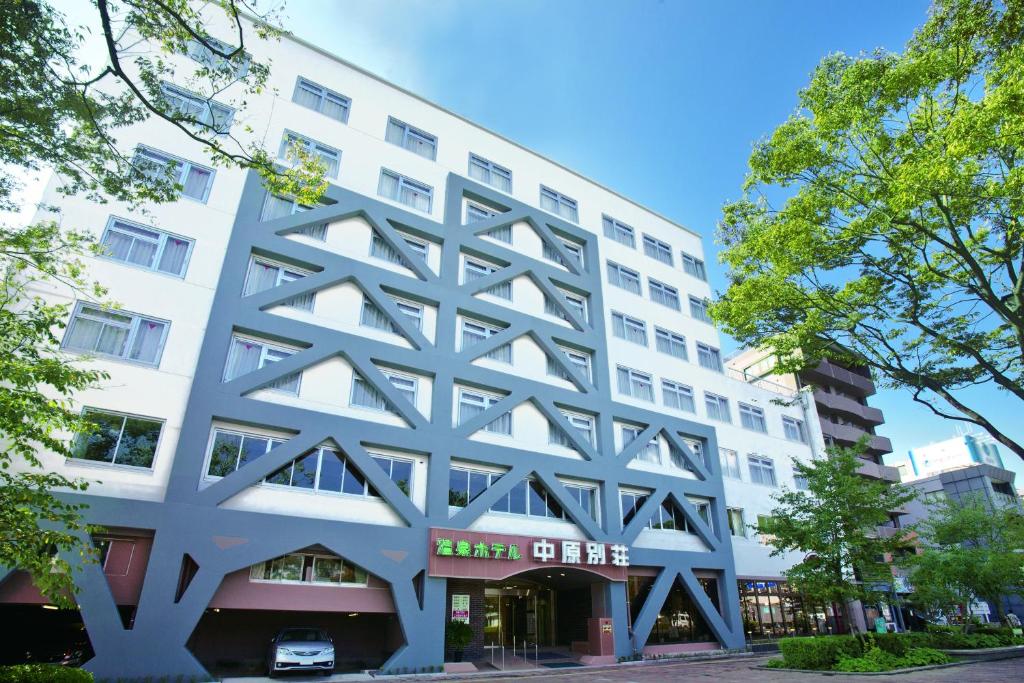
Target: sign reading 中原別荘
x=474, y=554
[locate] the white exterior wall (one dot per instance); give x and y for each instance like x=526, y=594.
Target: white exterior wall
x=162, y=392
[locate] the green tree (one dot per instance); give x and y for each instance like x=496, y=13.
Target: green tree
x=61, y=114
x=882, y=222
x=834, y=524
x=970, y=550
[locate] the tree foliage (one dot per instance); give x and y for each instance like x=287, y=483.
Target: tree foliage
x=882, y=223
x=62, y=114
x=834, y=524
x=971, y=550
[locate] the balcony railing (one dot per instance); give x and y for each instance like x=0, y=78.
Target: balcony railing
x=828, y=373
x=848, y=407
x=847, y=435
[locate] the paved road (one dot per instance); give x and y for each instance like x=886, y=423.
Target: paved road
x=740, y=671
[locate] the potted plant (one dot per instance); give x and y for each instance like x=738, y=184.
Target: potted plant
x=458, y=634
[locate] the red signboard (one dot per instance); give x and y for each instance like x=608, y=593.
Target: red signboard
x=462, y=554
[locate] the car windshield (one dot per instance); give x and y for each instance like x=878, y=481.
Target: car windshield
x=303, y=635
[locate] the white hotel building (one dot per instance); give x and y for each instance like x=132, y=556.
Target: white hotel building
x=348, y=416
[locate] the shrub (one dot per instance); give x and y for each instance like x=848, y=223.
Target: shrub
x=818, y=652
x=873, y=659
x=776, y=663
x=43, y=673
x=896, y=644
x=924, y=656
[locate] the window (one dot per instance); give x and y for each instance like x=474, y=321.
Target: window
x=248, y=355
x=800, y=482
x=231, y=450
x=330, y=157
x=709, y=357
x=118, y=439
x=195, y=108
x=623, y=277
x=717, y=407
x=577, y=304
x=730, y=461
x=699, y=309
x=474, y=332
x=465, y=485
x=119, y=334
x=264, y=274
x=620, y=232
x=630, y=329
x=405, y=190
x=696, y=448
x=635, y=383
x=318, y=98
x=558, y=204
x=694, y=266
x=195, y=180
x=631, y=504
x=794, y=429
x=490, y=173
x=678, y=396
x=219, y=60
x=663, y=294
x=579, y=360
x=666, y=517
x=736, y=525
x=584, y=424
x=365, y=395
x=474, y=270
x=575, y=253
x=326, y=470
x=372, y=316
x=299, y=568
x=146, y=247
x=477, y=212
x=752, y=418
x=412, y=139
x=279, y=207
x=657, y=250
x=472, y=403
x=669, y=342
x=651, y=452
x=762, y=470
x=379, y=248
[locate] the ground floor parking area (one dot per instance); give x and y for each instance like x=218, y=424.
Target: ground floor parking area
x=731, y=670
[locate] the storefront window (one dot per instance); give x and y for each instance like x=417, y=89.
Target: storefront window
x=770, y=609
x=302, y=568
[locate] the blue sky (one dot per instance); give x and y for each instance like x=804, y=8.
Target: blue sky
x=658, y=100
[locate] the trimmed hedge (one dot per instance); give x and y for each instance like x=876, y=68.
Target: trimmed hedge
x=818, y=652
x=43, y=673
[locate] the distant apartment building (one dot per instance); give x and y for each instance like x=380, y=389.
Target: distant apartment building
x=471, y=384
x=992, y=484
x=964, y=450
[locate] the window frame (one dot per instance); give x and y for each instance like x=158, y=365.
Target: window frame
x=412, y=184
x=557, y=439
x=186, y=166
x=721, y=402
x=635, y=375
x=390, y=375
x=569, y=353
x=763, y=464
x=658, y=250
x=613, y=229
x=488, y=400
x=701, y=305
x=290, y=138
x=489, y=331
x=712, y=352
x=619, y=269
x=325, y=93
x=799, y=426
x=667, y=292
x=124, y=421
x=137, y=319
x=272, y=443
x=629, y=322
x=560, y=200
x=157, y=255
x=169, y=89
x=673, y=340
x=727, y=469
x=694, y=267
x=283, y=272
x=491, y=168
x=410, y=131
x=265, y=347
x=678, y=389
x=752, y=418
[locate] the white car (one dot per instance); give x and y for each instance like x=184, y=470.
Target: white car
x=301, y=649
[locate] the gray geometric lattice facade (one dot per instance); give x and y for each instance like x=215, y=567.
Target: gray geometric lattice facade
x=192, y=521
